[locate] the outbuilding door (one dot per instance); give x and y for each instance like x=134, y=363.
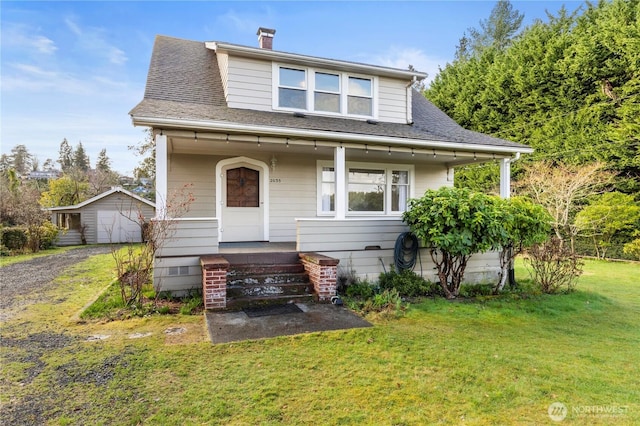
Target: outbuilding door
x=242, y=203
x=118, y=227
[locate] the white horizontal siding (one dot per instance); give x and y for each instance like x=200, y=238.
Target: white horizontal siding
x=392, y=100
x=346, y=240
x=433, y=176
x=162, y=281
x=368, y=264
x=249, y=84
x=193, y=174
x=191, y=237
x=346, y=235
x=292, y=195
x=69, y=237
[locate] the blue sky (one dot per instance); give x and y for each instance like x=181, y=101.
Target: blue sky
x=75, y=69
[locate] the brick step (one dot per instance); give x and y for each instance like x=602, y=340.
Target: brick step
x=267, y=290
x=243, y=302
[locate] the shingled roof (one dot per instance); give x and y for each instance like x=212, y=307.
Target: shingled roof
x=184, y=83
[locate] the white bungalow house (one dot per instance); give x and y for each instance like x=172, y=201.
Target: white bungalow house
x=114, y=216
x=316, y=155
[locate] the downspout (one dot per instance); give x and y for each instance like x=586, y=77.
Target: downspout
x=512, y=271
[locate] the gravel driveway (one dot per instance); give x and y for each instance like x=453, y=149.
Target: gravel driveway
x=22, y=283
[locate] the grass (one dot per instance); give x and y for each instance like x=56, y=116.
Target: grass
x=492, y=361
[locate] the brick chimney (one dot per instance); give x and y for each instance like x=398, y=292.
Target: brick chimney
x=265, y=38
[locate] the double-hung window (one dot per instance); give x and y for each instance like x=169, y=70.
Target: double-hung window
x=326, y=96
x=292, y=88
x=372, y=189
x=323, y=92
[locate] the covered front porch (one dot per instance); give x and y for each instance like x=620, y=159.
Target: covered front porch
x=305, y=200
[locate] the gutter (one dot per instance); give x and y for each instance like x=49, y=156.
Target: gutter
x=226, y=127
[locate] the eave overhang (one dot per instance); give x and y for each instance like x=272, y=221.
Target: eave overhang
x=275, y=131
x=312, y=61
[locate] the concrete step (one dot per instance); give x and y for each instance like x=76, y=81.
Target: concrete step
x=265, y=269
x=243, y=302
x=266, y=290
x=276, y=278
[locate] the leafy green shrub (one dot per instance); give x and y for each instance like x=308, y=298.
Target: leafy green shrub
x=47, y=234
x=407, y=283
x=388, y=304
x=15, y=238
x=633, y=248
x=475, y=290
x=360, y=289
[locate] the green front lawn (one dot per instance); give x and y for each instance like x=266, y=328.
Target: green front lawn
x=498, y=361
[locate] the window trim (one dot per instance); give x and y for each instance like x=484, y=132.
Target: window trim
x=389, y=168
x=310, y=77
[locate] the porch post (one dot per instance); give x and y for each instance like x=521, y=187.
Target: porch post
x=339, y=162
x=505, y=177
x=161, y=176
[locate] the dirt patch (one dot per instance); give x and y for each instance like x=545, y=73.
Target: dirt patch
x=24, y=283
x=31, y=350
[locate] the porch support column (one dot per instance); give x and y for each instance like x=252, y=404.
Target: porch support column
x=161, y=176
x=339, y=162
x=505, y=177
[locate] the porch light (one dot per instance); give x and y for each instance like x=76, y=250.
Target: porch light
x=274, y=161
x=434, y=153
x=195, y=137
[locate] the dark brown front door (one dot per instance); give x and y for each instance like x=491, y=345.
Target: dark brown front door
x=243, y=187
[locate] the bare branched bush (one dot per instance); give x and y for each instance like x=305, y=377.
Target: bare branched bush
x=554, y=267
x=134, y=263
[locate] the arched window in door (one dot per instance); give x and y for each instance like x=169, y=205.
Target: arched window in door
x=243, y=187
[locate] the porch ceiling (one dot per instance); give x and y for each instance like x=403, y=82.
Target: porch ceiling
x=234, y=145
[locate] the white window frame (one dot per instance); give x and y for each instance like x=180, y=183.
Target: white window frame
x=310, y=74
x=388, y=168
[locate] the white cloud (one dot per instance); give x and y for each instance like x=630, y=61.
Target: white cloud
x=94, y=42
x=248, y=22
x=22, y=37
x=402, y=57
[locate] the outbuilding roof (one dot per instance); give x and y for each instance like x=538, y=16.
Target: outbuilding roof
x=113, y=190
x=184, y=83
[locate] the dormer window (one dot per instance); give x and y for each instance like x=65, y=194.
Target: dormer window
x=292, y=91
x=323, y=92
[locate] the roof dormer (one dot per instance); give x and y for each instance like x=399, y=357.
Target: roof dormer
x=266, y=80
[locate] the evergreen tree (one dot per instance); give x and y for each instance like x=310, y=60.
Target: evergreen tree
x=80, y=158
x=103, y=163
x=568, y=87
x=497, y=31
x=5, y=164
x=48, y=165
x=21, y=159
x=65, y=155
